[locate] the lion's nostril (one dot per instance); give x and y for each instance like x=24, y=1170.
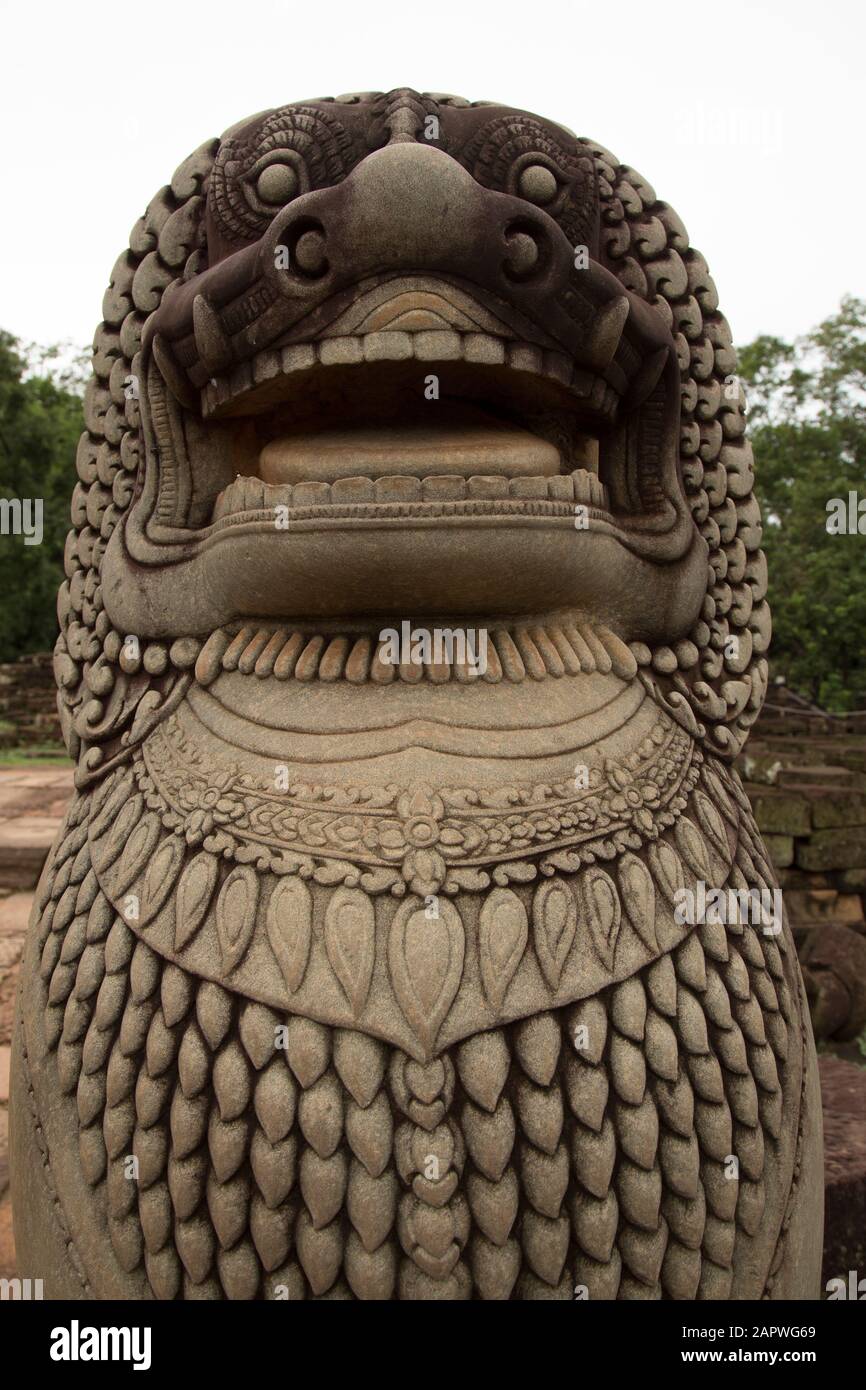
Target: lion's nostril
x=522, y=256
x=310, y=252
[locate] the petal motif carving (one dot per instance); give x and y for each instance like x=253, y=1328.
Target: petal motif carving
x=350, y=941
x=667, y=869
x=160, y=877
x=503, y=929
x=639, y=898
x=290, y=928
x=107, y=850
x=603, y=912
x=554, y=923
x=194, y=893
x=236, y=914
x=712, y=825
x=692, y=847
x=136, y=852
x=425, y=961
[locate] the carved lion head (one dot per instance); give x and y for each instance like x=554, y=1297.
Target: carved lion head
x=402, y=356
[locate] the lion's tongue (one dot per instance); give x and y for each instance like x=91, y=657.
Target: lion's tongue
x=469, y=443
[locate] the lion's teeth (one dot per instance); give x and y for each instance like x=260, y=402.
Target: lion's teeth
x=557, y=366
x=297, y=357
x=251, y=494
x=437, y=345
x=607, y=331
x=278, y=495
x=530, y=489
x=597, y=491
x=387, y=347
x=266, y=365
x=525, y=358
x=340, y=351
x=588, y=488
x=481, y=347
x=581, y=484
x=311, y=494
x=425, y=345
x=487, y=487
x=352, y=490
x=398, y=488
x=560, y=489
x=444, y=487
x=211, y=340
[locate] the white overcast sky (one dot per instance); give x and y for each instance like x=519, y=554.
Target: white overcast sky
x=746, y=117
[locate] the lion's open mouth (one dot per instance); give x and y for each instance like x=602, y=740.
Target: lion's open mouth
x=421, y=399
x=385, y=444
x=408, y=442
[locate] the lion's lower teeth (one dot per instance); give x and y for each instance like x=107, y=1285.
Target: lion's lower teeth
x=252, y=494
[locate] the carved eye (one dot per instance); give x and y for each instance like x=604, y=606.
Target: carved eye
x=537, y=184
x=277, y=184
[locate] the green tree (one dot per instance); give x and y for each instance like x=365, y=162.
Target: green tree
x=40, y=421
x=807, y=414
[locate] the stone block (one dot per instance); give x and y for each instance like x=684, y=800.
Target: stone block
x=817, y=905
x=842, y=808
x=833, y=849
x=807, y=776
x=24, y=843
x=800, y=878
x=843, y=1095
x=780, y=849
x=782, y=813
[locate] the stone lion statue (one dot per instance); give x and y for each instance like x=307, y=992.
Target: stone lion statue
x=414, y=613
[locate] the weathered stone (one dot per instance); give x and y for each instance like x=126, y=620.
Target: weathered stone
x=832, y=849
x=14, y=914
x=817, y=778
x=24, y=843
x=366, y=931
x=801, y=879
x=843, y=1093
x=842, y=809
x=780, y=849
x=28, y=703
x=833, y=961
x=784, y=813
x=816, y=905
